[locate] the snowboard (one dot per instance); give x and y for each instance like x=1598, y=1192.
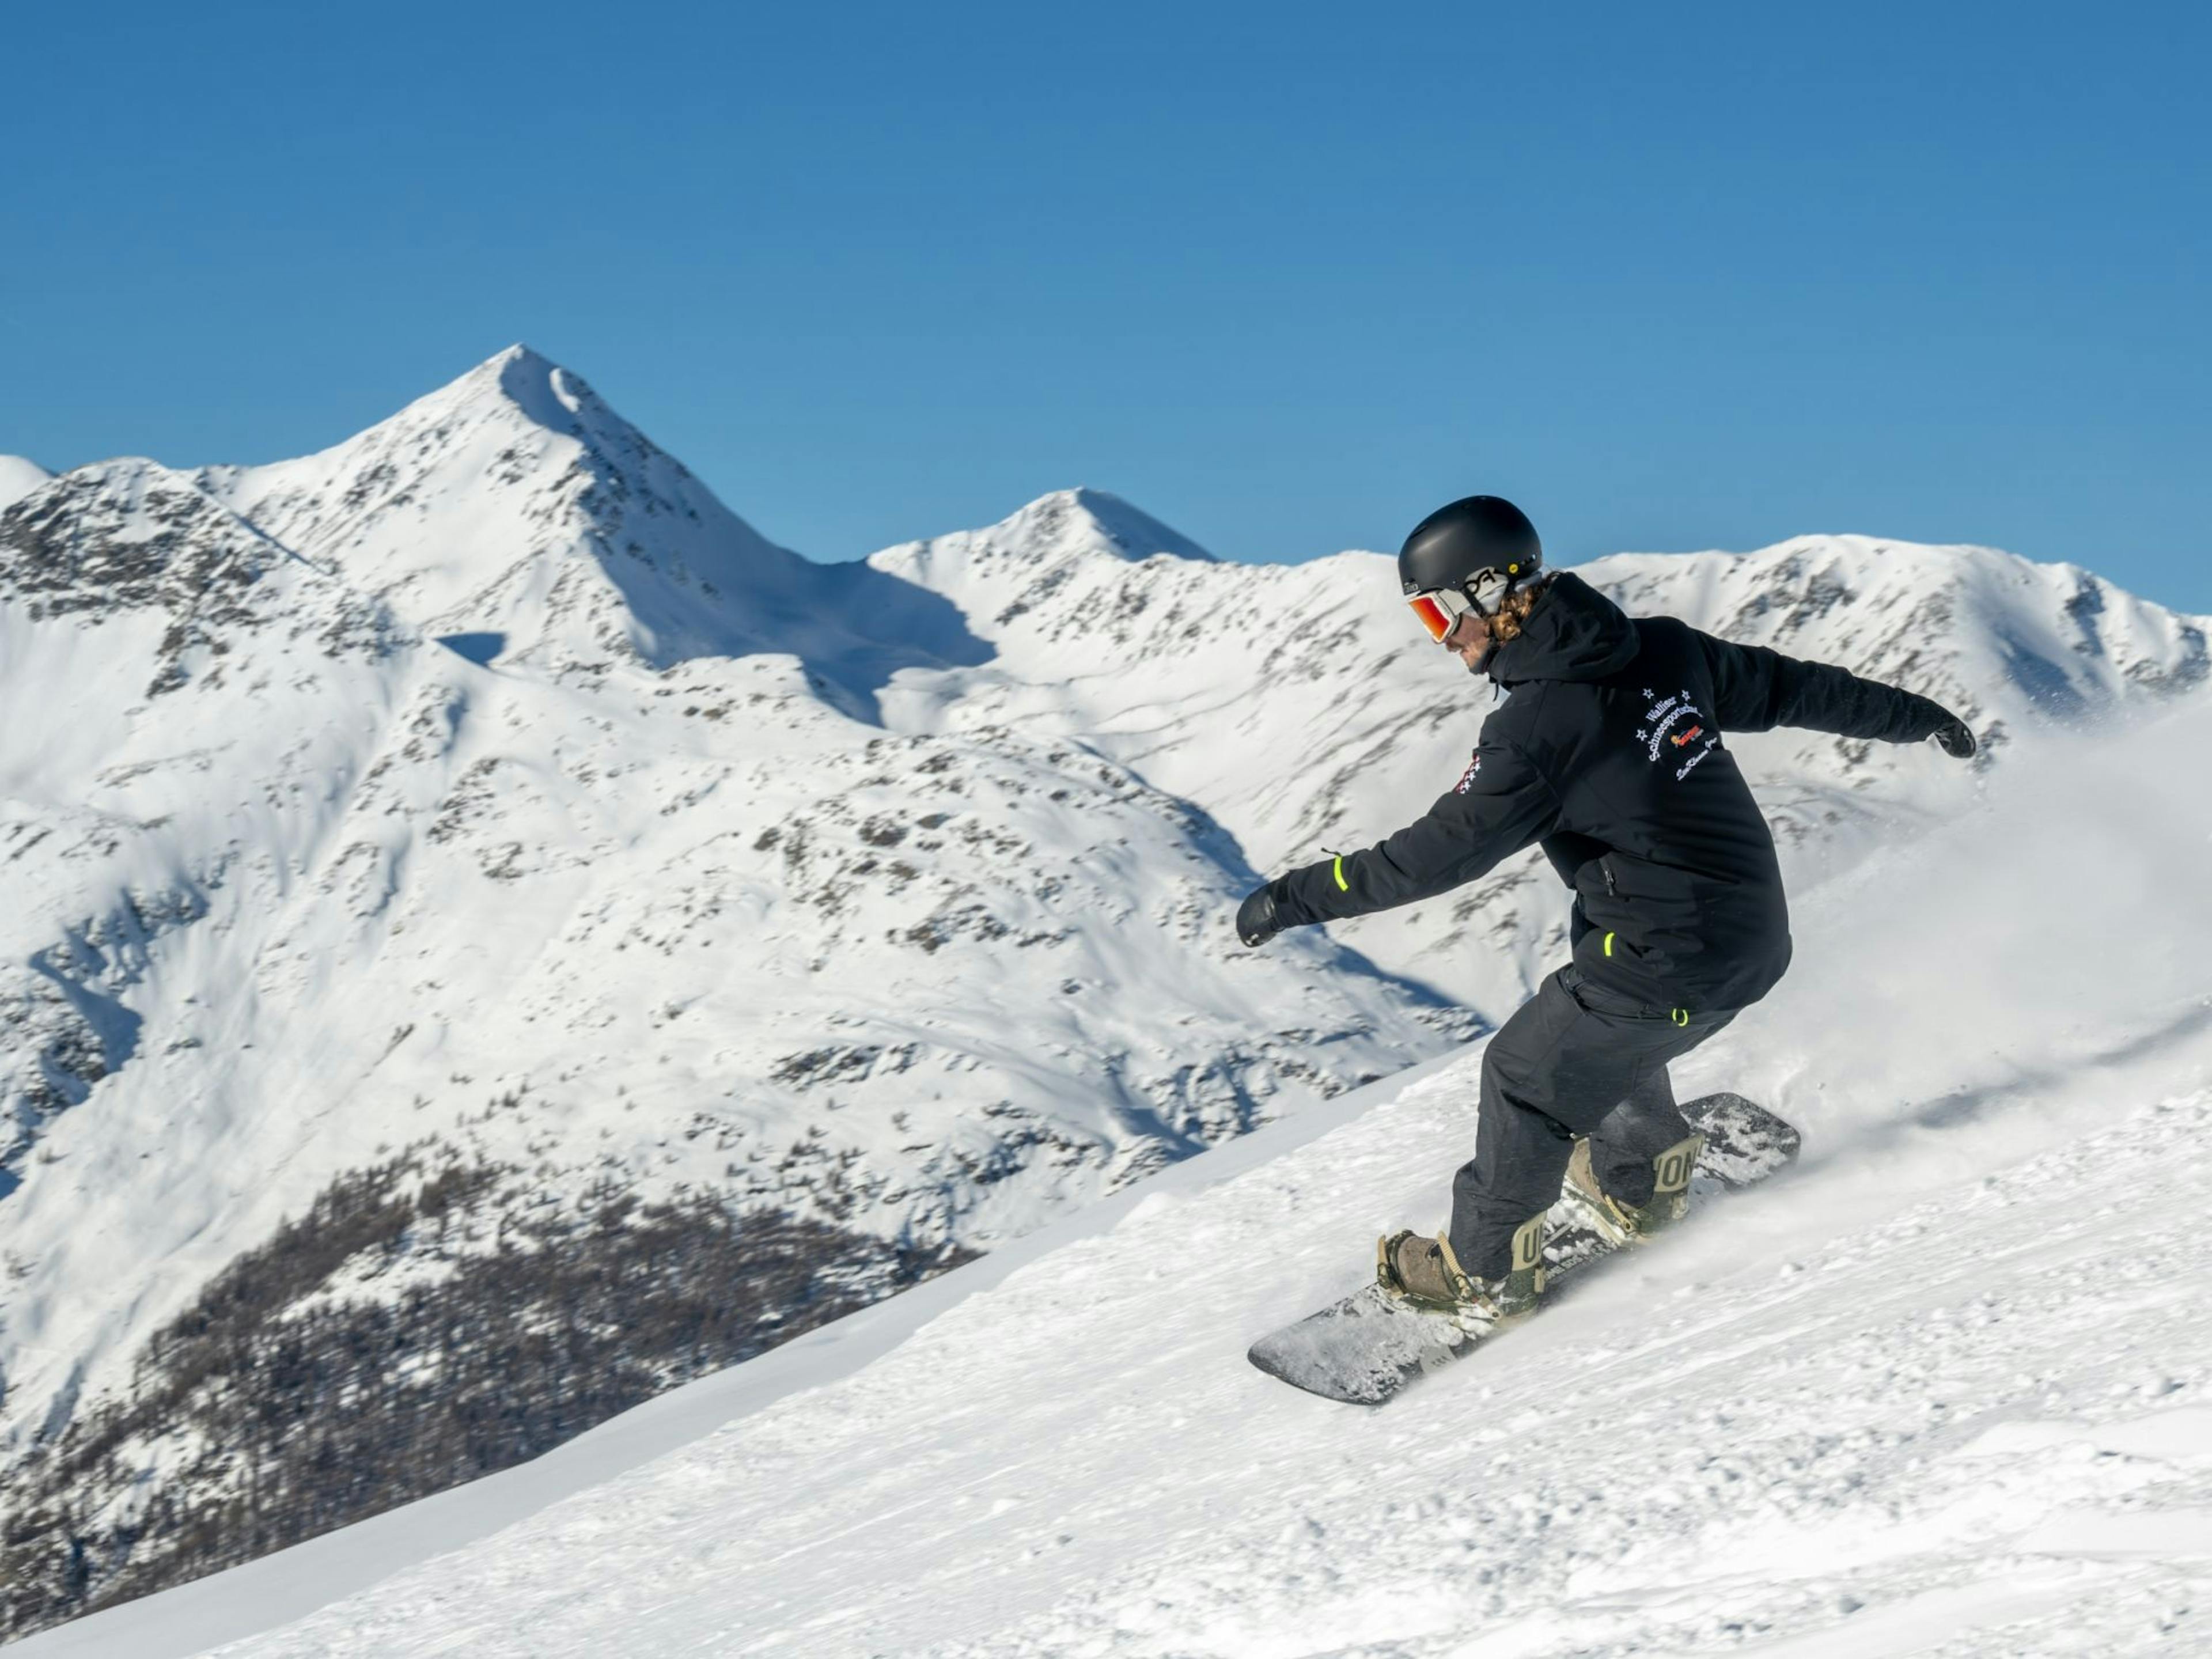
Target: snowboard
x=1367, y=1348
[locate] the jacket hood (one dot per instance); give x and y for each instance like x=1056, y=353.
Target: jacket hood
x=1574, y=632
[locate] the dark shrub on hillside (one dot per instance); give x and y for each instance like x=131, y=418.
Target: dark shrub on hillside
x=298, y=1410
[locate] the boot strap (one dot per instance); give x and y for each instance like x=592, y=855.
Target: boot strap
x=1463, y=1286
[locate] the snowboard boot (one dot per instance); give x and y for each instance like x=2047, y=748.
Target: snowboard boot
x=1424, y=1272
x=1634, y=1224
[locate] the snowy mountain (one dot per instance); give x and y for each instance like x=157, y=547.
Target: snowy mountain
x=471, y=869
x=1296, y=704
x=18, y=478
x=1943, y=1391
x=480, y=810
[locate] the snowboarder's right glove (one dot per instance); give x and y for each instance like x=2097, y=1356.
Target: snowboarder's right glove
x=1956, y=737
x=1256, y=918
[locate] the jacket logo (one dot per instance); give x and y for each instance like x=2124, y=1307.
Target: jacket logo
x=1657, y=733
x=1466, y=778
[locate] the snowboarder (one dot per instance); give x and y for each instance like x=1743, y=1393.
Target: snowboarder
x=1606, y=752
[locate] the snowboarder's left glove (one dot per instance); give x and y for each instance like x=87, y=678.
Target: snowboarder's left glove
x=1956, y=738
x=1256, y=918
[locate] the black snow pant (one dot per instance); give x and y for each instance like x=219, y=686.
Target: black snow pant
x=1574, y=1060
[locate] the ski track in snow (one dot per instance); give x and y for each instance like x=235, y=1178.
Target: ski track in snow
x=1941, y=1391
x=1863, y=1441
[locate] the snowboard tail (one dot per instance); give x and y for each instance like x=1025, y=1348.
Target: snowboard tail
x=1370, y=1346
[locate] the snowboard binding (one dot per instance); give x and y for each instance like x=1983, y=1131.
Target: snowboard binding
x=1634, y=1224
x=1425, y=1274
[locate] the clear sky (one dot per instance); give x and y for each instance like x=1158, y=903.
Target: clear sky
x=1287, y=276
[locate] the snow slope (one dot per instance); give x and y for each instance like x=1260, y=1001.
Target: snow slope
x=1943, y=1391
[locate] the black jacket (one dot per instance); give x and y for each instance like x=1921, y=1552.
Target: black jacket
x=1608, y=751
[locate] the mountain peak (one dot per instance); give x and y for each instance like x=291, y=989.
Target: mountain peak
x=1084, y=519
x=525, y=382
x=515, y=500
x=18, y=479
x=513, y=505
x=1082, y=537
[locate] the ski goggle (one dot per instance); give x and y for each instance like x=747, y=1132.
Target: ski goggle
x=1439, y=610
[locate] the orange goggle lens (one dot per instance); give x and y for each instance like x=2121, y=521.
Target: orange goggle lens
x=1433, y=617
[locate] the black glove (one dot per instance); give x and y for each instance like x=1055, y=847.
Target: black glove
x=1256, y=918
x=1956, y=737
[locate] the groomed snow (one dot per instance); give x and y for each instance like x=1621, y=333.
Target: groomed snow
x=1943, y=1391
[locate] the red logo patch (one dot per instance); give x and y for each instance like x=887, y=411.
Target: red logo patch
x=1466, y=778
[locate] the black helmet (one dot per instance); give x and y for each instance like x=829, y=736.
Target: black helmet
x=1456, y=543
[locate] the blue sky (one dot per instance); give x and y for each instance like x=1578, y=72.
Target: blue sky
x=1285, y=277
